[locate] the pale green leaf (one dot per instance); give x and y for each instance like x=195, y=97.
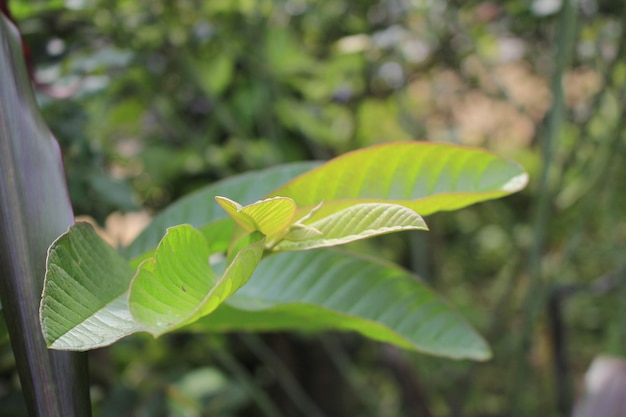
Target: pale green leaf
x=171, y=284
x=218, y=235
x=177, y=286
x=233, y=209
x=329, y=289
x=353, y=223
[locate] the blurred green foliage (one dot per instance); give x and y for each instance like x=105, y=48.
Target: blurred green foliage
x=165, y=96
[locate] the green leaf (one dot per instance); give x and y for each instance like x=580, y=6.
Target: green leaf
x=200, y=208
x=212, y=75
x=330, y=289
x=177, y=286
x=425, y=177
x=84, y=303
x=353, y=223
x=268, y=216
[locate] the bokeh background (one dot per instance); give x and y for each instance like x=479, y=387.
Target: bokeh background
x=151, y=99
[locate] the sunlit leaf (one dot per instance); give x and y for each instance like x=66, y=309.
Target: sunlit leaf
x=172, y=283
x=302, y=232
x=425, y=177
x=234, y=211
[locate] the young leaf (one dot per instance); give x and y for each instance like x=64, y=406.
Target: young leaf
x=234, y=209
x=425, y=177
x=218, y=235
x=329, y=289
x=268, y=216
x=200, y=208
x=353, y=223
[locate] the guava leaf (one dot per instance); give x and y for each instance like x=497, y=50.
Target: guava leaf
x=423, y=176
x=331, y=289
x=371, y=191
x=353, y=223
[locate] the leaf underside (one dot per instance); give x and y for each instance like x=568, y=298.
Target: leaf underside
x=84, y=301
x=354, y=223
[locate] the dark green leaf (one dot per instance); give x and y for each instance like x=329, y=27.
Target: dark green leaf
x=330, y=289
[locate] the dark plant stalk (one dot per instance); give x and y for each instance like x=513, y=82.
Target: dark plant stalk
x=34, y=210
x=558, y=332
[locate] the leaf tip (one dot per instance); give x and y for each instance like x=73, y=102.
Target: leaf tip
x=516, y=183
